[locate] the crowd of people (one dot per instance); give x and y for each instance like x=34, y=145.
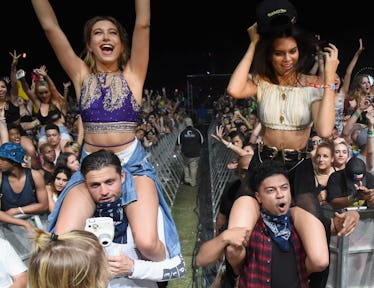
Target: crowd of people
x=302, y=136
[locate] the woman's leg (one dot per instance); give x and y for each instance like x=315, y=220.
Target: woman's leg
x=142, y=216
x=313, y=235
x=77, y=206
x=244, y=213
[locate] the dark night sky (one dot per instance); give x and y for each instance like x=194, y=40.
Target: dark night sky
x=183, y=33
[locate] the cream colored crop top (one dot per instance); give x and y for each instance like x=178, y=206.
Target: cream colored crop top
x=286, y=107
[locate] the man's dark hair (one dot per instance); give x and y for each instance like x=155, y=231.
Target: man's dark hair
x=51, y=126
x=11, y=126
x=100, y=159
x=264, y=170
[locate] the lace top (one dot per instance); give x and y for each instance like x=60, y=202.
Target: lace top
x=286, y=107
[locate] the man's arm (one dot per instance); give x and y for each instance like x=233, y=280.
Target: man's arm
x=213, y=250
x=41, y=205
x=6, y=218
x=344, y=224
x=41, y=195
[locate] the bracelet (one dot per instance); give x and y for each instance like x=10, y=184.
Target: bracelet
x=330, y=86
x=21, y=210
x=357, y=114
x=36, y=124
x=229, y=145
x=370, y=133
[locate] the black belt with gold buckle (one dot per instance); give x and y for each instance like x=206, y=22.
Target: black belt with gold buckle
x=286, y=155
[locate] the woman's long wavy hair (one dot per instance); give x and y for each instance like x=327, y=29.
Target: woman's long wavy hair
x=89, y=58
x=306, y=43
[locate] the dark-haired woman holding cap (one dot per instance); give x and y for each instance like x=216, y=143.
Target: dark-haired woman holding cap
x=275, y=70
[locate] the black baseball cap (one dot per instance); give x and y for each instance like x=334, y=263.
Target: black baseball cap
x=355, y=171
x=274, y=16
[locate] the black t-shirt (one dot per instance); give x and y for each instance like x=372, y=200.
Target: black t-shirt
x=190, y=140
x=282, y=264
x=337, y=186
x=12, y=113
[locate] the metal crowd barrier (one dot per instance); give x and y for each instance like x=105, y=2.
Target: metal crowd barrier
x=220, y=176
x=168, y=165
x=18, y=237
x=351, y=257
x=219, y=157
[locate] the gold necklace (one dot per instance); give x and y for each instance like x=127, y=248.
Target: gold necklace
x=321, y=174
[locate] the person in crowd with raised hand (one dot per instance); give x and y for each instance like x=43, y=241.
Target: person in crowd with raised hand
x=51, y=105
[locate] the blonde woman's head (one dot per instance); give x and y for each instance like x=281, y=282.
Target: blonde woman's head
x=71, y=260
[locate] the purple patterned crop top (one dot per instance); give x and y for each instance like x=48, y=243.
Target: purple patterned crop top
x=107, y=104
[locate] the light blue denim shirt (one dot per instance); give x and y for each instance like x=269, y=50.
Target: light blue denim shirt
x=138, y=164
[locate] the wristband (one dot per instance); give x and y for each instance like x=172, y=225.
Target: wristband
x=370, y=133
x=351, y=199
x=229, y=145
x=330, y=86
x=132, y=267
x=21, y=210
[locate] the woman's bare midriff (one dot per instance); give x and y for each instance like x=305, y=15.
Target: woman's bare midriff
x=115, y=142
x=285, y=139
